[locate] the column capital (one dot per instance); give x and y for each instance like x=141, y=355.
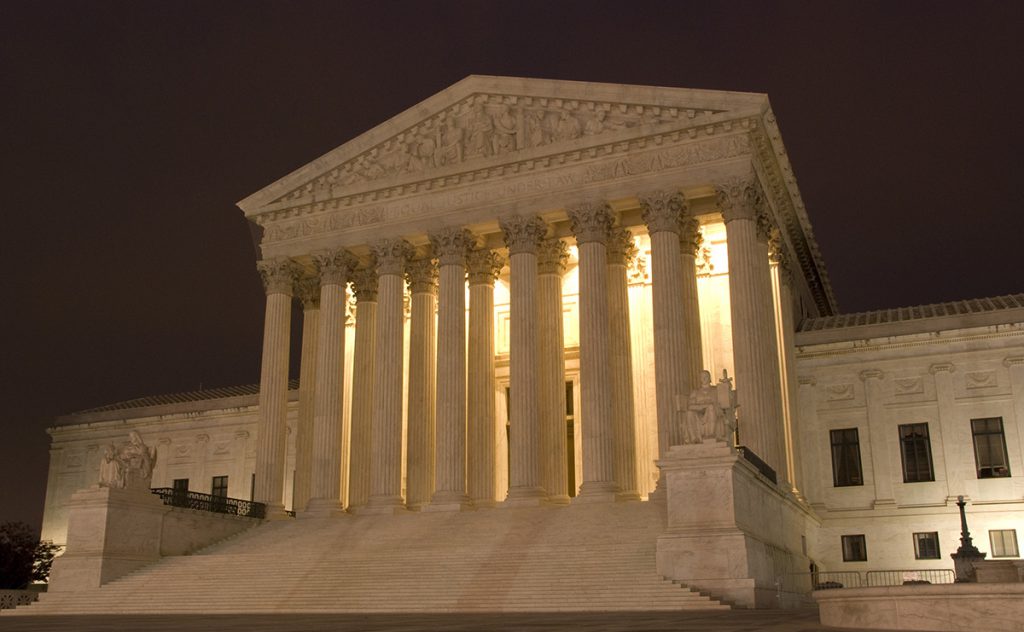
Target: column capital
x=871, y=374
x=1013, y=361
x=364, y=284
x=421, y=275
x=778, y=256
x=484, y=266
x=334, y=266
x=621, y=249
x=308, y=291
x=522, y=234
x=690, y=237
x=391, y=256
x=743, y=198
x=942, y=367
x=552, y=256
x=279, y=275
x=590, y=221
x=662, y=210
x=451, y=245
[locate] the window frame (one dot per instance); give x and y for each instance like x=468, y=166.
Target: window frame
x=1003, y=532
x=847, y=542
x=916, y=443
x=840, y=448
x=934, y=535
x=214, y=487
x=993, y=471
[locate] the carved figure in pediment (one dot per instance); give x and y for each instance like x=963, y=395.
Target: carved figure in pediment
x=449, y=149
x=422, y=150
x=536, y=130
x=506, y=127
x=596, y=124
x=568, y=127
x=478, y=133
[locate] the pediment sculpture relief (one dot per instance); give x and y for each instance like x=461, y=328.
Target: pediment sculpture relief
x=129, y=465
x=710, y=412
x=483, y=126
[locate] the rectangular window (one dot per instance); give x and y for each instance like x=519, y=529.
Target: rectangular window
x=990, y=448
x=855, y=549
x=1004, y=543
x=846, y=458
x=916, y=452
x=180, y=485
x=219, y=486
x=926, y=546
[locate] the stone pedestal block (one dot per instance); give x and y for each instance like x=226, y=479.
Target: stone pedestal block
x=731, y=533
x=111, y=532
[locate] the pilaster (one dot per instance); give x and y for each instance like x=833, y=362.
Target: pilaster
x=953, y=430
x=878, y=428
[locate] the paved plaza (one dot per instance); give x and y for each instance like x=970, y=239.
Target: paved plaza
x=732, y=621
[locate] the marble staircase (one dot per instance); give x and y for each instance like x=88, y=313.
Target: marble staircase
x=597, y=557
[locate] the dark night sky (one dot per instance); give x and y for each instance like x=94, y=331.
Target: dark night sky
x=130, y=129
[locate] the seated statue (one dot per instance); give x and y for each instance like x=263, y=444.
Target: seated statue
x=710, y=411
x=129, y=465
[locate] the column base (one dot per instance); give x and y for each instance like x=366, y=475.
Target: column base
x=660, y=493
x=382, y=506
x=625, y=497
x=524, y=497
x=597, y=492
x=448, y=501
x=276, y=512
x=321, y=508
x=561, y=499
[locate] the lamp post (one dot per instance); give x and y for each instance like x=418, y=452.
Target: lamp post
x=967, y=554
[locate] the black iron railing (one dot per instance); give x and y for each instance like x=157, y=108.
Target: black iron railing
x=208, y=502
x=756, y=461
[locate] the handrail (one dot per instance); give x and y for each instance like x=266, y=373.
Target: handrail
x=829, y=580
x=757, y=462
x=209, y=502
x=901, y=577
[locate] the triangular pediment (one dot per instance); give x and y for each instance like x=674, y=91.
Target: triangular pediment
x=483, y=122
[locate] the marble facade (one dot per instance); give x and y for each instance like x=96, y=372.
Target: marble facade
x=508, y=293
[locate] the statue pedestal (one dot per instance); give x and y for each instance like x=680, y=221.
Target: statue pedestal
x=111, y=532
x=731, y=533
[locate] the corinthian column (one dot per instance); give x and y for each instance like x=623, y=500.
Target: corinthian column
x=754, y=350
x=782, y=294
x=484, y=267
x=386, y=453
x=364, y=286
x=621, y=252
x=690, y=241
x=450, y=247
x=279, y=277
x=309, y=293
x=662, y=212
x=422, y=278
x=328, y=475
x=591, y=224
x=523, y=236
x=551, y=261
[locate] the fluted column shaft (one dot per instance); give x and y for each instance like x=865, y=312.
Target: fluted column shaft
x=690, y=241
x=662, y=212
x=309, y=293
x=386, y=442
x=591, y=223
x=552, y=259
x=481, y=483
x=329, y=477
x=523, y=236
x=620, y=252
x=364, y=285
x=451, y=246
x=279, y=277
x=755, y=353
x=422, y=277
x=782, y=295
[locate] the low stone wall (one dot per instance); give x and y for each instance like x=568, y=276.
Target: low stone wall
x=14, y=598
x=188, y=530
x=953, y=607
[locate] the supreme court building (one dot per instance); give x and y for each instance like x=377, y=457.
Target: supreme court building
x=509, y=292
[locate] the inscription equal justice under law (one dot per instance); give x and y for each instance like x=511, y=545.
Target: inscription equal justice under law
x=445, y=202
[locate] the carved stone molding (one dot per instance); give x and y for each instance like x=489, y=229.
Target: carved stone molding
x=241, y=434
x=871, y=374
x=621, y=249
x=807, y=380
x=1013, y=361
x=391, y=256
x=421, y=274
x=662, y=211
x=279, y=275
x=778, y=256
x=941, y=367
x=451, y=245
x=364, y=284
x=552, y=257
x=690, y=237
x=522, y=234
x=307, y=290
x=484, y=266
x=202, y=439
x=738, y=198
x=163, y=441
x=334, y=266
x=590, y=221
